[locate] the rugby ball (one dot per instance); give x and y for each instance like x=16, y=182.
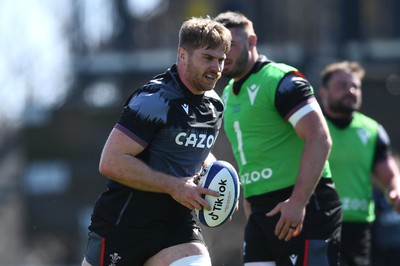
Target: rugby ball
x=222, y=177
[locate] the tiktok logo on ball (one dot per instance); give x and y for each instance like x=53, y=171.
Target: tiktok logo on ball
x=219, y=203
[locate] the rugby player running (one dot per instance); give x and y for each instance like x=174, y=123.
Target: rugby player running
x=153, y=155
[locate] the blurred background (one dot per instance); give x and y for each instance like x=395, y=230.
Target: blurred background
x=67, y=66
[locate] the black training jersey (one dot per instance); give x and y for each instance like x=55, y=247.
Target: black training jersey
x=177, y=130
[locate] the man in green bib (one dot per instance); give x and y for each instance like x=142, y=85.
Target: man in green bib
x=360, y=150
x=281, y=142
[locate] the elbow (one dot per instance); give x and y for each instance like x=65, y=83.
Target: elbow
x=105, y=167
x=102, y=168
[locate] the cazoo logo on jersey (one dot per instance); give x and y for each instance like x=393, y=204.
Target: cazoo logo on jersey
x=254, y=176
x=194, y=140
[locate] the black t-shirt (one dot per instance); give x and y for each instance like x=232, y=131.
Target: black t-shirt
x=177, y=130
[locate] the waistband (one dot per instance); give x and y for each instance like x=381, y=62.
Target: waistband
x=323, y=197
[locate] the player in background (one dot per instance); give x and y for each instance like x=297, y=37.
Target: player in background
x=386, y=228
x=152, y=156
x=360, y=151
x=281, y=143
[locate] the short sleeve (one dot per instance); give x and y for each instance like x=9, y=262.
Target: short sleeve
x=143, y=115
x=382, y=150
x=295, y=98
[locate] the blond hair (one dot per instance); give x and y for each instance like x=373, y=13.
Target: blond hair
x=199, y=32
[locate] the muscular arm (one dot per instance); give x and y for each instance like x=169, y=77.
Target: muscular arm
x=118, y=162
x=312, y=129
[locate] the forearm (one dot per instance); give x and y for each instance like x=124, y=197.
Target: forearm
x=314, y=157
x=132, y=172
x=388, y=173
x=119, y=162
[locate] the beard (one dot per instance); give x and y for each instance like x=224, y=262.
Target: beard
x=196, y=77
x=239, y=66
x=344, y=109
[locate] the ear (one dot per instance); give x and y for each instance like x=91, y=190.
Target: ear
x=182, y=53
x=252, y=40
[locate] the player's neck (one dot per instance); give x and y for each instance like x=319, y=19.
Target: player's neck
x=338, y=115
x=252, y=60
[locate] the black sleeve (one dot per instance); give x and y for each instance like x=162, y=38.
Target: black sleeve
x=293, y=92
x=143, y=115
x=382, y=149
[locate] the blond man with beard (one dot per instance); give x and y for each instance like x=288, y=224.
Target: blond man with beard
x=154, y=153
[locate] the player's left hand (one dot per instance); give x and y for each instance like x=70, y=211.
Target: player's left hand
x=189, y=194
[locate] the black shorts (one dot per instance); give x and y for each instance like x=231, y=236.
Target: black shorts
x=318, y=243
x=356, y=244
x=133, y=247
